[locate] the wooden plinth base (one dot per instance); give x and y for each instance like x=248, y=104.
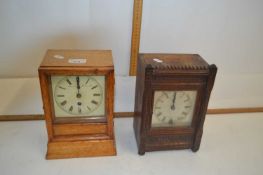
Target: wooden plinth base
x=75, y=149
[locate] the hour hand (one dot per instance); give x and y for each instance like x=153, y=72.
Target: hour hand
x=78, y=87
x=173, y=102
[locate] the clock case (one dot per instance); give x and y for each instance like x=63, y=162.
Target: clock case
x=80, y=136
x=175, y=72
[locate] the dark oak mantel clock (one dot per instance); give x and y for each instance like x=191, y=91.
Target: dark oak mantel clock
x=172, y=94
x=77, y=89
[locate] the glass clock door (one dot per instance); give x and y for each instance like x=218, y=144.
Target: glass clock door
x=78, y=96
x=173, y=108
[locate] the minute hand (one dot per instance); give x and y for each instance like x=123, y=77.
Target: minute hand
x=173, y=104
x=78, y=86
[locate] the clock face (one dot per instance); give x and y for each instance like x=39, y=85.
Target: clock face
x=79, y=96
x=173, y=108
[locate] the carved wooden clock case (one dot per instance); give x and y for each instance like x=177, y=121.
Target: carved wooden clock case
x=77, y=91
x=172, y=94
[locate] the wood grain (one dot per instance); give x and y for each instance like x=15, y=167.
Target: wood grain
x=79, y=128
x=94, y=58
x=74, y=149
x=234, y=110
x=131, y=114
x=136, y=32
x=24, y=117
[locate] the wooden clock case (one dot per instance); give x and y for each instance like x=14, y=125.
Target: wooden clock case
x=176, y=72
x=81, y=136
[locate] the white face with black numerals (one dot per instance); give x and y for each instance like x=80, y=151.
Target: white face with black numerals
x=78, y=96
x=173, y=108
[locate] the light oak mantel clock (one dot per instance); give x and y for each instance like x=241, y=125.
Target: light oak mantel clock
x=77, y=90
x=172, y=94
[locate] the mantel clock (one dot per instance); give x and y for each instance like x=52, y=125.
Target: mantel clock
x=77, y=91
x=172, y=94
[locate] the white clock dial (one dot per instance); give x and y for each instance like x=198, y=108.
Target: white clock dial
x=173, y=108
x=78, y=95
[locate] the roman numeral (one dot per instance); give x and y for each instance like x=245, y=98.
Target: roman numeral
x=180, y=118
x=96, y=94
x=94, y=87
x=60, y=95
x=88, y=107
x=160, y=101
x=163, y=119
x=187, y=99
x=69, y=82
x=187, y=106
x=170, y=122
x=71, y=108
x=79, y=110
x=63, y=102
x=165, y=94
x=87, y=81
x=184, y=113
x=159, y=114
x=62, y=87
x=94, y=102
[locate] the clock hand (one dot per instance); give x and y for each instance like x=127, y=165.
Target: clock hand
x=173, y=104
x=78, y=87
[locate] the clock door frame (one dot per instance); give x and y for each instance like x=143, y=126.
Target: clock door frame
x=67, y=129
x=174, y=86
x=81, y=119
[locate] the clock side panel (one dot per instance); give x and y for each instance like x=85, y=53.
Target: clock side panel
x=208, y=89
x=110, y=83
x=139, y=100
x=45, y=87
